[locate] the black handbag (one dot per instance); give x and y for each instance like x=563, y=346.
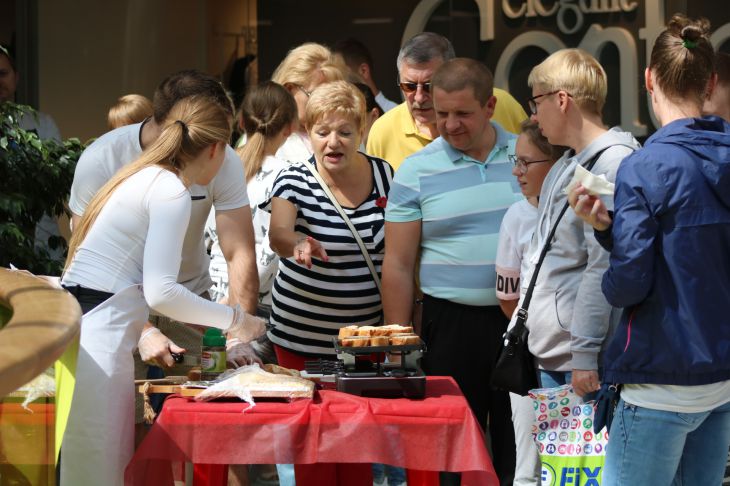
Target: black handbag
x=515, y=369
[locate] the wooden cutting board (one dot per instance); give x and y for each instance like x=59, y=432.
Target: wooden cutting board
x=171, y=388
x=167, y=385
x=192, y=392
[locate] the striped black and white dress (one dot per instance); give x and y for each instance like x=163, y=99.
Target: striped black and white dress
x=311, y=305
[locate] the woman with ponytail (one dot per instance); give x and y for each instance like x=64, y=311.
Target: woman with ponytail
x=269, y=117
x=124, y=259
x=669, y=269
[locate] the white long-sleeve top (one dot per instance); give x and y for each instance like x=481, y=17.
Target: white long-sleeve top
x=137, y=239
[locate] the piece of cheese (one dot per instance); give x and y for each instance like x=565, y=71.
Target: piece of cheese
x=596, y=185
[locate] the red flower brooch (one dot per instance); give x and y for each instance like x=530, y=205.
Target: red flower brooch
x=381, y=202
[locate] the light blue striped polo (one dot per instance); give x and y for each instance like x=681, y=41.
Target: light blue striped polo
x=461, y=202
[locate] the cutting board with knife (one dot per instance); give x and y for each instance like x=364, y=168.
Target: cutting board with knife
x=168, y=385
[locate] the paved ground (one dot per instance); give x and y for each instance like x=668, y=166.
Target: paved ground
x=726, y=481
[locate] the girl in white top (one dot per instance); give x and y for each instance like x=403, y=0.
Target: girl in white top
x=268, y=116
x=533, y=159
x=128, y=245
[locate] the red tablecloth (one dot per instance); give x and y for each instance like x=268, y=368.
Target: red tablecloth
x=437, y=433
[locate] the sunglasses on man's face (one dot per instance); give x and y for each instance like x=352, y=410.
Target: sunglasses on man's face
x=409, y=87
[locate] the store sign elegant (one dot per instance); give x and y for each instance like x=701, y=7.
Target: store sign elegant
x=571, y=16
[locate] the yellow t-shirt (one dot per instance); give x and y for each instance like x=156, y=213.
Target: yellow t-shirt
x=508, y=112
x=394, y=136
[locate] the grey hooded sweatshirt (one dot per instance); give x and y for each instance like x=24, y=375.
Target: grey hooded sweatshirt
x=569, y=319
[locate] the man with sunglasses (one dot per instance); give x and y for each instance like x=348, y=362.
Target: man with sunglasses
x=410, y=126
x=569, y=316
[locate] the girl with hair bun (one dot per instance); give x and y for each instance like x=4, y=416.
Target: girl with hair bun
x=268, y=117
x=124, y=259
x=669, y=269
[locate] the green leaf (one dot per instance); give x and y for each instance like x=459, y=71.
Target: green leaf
x=36, y=180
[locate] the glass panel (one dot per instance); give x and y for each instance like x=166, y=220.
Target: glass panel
x=27, y=435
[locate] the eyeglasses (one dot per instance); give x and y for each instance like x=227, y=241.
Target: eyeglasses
x=301, y=88
x=522, y=164
x=533, y=106
x=410, y=87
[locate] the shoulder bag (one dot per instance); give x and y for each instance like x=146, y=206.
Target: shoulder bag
x=515, y=369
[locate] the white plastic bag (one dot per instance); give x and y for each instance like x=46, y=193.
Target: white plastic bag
x=251, y=381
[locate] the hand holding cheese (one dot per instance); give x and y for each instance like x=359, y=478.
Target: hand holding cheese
x=589, y=208
x=595, y=185
x=245, y=326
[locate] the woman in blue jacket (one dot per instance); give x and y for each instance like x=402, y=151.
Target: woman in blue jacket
x=670, y=271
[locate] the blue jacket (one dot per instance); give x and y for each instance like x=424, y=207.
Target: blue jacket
x=670, y=264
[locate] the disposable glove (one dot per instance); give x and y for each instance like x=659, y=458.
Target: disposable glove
x=245, y=327
x=240, y=354
x=155, y=348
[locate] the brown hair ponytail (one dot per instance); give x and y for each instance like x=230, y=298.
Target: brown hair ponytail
x=683, y=59
x=193, y=124
x=266, y=111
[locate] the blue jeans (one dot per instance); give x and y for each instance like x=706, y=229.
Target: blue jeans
x=286, y=474
x=551, y=379
x=395, y=475
x=656, y=447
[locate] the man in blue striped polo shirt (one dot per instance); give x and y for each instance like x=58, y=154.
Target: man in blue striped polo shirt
x=447, y=202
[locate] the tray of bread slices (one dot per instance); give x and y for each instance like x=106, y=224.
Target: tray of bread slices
x=377, y=339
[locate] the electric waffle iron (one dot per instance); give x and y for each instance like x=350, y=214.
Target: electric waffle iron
x=363, y=371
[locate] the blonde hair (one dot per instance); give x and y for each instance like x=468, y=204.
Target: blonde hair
x=266, y=110
x=302, y=63
x=338, y=97
x=129, y=109
x=193, y=124
x=576, y=72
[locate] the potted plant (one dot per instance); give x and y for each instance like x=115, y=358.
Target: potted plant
x=36, y=180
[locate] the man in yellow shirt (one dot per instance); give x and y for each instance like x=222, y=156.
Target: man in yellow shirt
x=410, y=126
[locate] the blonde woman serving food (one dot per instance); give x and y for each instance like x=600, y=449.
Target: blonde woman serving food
x=123, y=260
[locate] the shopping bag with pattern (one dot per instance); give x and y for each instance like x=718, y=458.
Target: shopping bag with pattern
x=570, y=452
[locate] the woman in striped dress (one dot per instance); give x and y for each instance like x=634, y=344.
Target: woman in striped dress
x=324, y=282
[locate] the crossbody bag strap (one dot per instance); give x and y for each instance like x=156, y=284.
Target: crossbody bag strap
x=345, y=218
x=522, y=312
